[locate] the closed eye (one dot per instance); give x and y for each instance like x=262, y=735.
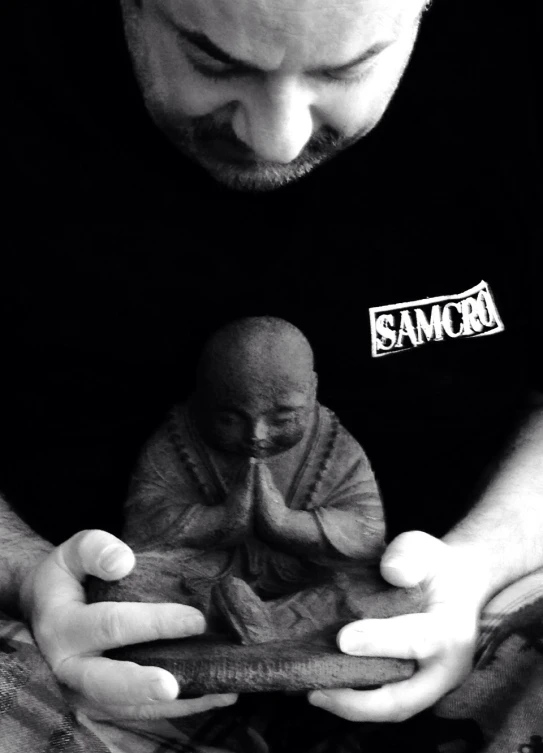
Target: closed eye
x=215, y=69
x=208, y=59
x=228, y=419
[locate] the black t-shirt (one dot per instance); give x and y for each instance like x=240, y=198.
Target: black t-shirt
x=410, y=261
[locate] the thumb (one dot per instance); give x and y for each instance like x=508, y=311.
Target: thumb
x=58, y=579
x=97, y=553
x=411, y=558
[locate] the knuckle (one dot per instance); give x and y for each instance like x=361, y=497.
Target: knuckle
x=401, y=711
x=351, y=708
x=401, y=715
x=83, y=536
x=51, y=640
x=83, y=677
x=143, y=713
x=110, y=626
x=401, y=708
x=352, y=714
x=157, y=624
x=68, y=671
x=424, y=645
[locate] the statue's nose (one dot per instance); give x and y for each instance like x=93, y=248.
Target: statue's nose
x=260, y=430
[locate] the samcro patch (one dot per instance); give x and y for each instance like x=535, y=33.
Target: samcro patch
x=403, y=326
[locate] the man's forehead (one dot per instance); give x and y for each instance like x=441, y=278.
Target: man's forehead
x=330, y=30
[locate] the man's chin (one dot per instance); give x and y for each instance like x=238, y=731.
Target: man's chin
x=254, y=176
x=237, y=170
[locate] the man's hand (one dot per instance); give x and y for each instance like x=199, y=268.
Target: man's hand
x=73, y=634
x=441, y=640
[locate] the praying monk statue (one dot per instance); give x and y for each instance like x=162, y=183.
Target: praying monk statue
x=254, y=504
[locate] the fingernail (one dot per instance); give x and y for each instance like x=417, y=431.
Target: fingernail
x=228, y=699
x=409, y=571
x=112, y=557
x=195, y=623
x=352, y=638
x=350, y=643
x=397, y=564
x=318, y=698
x=164, y=689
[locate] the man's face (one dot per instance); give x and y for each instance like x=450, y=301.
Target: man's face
x=259, y=92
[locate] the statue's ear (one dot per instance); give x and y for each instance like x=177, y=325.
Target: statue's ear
x=314, y=384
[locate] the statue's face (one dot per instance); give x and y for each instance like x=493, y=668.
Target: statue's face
x=261, y=91
x=257, y=419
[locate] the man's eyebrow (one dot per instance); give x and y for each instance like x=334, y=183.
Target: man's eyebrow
x=371, y=52
x=205, y=44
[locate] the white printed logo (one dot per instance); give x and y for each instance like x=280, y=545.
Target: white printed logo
x=403, y=326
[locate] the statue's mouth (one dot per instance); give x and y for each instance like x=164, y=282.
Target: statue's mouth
x=259, y=450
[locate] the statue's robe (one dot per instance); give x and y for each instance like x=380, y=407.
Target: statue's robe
x=181, y=483
x=180, y=479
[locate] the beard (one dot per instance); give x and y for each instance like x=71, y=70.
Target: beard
x=215, y=147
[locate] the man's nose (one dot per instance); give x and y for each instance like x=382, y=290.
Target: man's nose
x=277, y=122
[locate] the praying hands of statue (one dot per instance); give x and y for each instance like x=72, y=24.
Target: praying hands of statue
x=293, y=531
x=236, y=514
x=328, y=533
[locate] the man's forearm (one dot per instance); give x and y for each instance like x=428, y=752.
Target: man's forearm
x=20, y=549
x=504, y=531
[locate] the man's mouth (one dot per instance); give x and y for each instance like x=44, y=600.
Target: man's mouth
x=230, y=151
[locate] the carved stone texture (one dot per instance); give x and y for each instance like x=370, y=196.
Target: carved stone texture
x=255, y=505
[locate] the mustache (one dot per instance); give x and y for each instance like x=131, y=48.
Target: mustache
x=206, y=129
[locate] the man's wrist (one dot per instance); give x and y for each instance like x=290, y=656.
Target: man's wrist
x=476, y=573
x=502, y=533
x=21, y=550
x=12, y=585
x=25, y=577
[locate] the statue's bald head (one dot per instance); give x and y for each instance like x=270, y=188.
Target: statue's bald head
x=257, y=350
x=258, y=372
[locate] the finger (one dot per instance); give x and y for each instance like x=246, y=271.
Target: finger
x=97, y=553
x=395, y=702
x=154, y=711
x=262, y=472
x=245, y=474
x=102, y=626
x=105, y=681
x=268, y=493
x=411, y=558
x=409, y=636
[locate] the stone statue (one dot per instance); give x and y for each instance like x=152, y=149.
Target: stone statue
x=255, y=505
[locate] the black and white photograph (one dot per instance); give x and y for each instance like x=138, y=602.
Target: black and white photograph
x=271, y=393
